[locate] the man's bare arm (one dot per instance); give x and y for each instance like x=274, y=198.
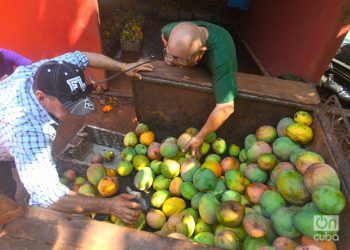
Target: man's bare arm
x=122, y=205
x=217, y=117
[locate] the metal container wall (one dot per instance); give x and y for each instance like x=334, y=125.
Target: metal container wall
x=170, y=105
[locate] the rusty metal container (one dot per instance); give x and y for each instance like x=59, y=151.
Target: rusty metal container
x=171, y=99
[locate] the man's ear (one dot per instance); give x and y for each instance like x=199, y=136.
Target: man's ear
x=41, y=97
x=203, y=49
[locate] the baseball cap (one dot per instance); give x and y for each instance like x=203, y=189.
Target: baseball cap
x=66, y=82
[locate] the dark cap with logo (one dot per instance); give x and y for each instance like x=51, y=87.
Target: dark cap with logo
x=66, y=82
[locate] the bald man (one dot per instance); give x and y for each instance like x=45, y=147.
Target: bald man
x=197, y=42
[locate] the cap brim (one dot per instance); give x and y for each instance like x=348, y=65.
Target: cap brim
x=81, y=106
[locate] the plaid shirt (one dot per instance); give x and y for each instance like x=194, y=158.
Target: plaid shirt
x=26, y=132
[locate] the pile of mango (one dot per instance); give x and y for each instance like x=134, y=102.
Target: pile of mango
x=263, y=195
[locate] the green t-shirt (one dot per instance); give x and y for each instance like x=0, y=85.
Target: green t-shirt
x=220, y=59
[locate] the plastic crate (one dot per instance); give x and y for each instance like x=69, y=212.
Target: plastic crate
x=90, y=139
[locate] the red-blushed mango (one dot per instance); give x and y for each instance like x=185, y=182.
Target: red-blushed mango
x=96, y=158
x=141, y=128
x=282, y=125
x=108, y=186
x=306, y=159
x=324, y=244
x=175, y=186
x=183, y=140
x=284, y=243
x=267, y=161
x=254, y=173
x=95, y=173
x=319, y=174
x=70, y=174
x=235, y=180
x=258, y=148
x=254, y=192
x=277, y=170
x=153, y=151
x=266, y=133
x=256, y=225
x=188, y=168
x=173, y=220
x=155, y=218
x=229, y=163
x=214, y=167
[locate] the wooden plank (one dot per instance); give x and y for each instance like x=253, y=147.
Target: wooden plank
x=62, y=231
x=263, y=86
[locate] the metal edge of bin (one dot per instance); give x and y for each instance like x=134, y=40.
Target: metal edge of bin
x=239, y=94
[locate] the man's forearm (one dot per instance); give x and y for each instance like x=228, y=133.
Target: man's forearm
x=103, y=62
x=77, y=203
x=217, y=117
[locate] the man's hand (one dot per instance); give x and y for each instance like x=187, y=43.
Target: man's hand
x=124, y=208
x=195, y=145
x=134, y=72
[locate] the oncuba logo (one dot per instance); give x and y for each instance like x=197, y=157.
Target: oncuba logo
x=326, y=227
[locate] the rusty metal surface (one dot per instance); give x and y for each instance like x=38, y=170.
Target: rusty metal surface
x=169, y=108
x=267, y=87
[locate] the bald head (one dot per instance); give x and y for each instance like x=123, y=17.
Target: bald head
x=185, y=39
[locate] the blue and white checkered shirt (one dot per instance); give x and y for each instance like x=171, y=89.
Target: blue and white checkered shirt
x=26, y=132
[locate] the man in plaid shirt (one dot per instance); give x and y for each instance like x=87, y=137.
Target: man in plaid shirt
x=32, y=100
